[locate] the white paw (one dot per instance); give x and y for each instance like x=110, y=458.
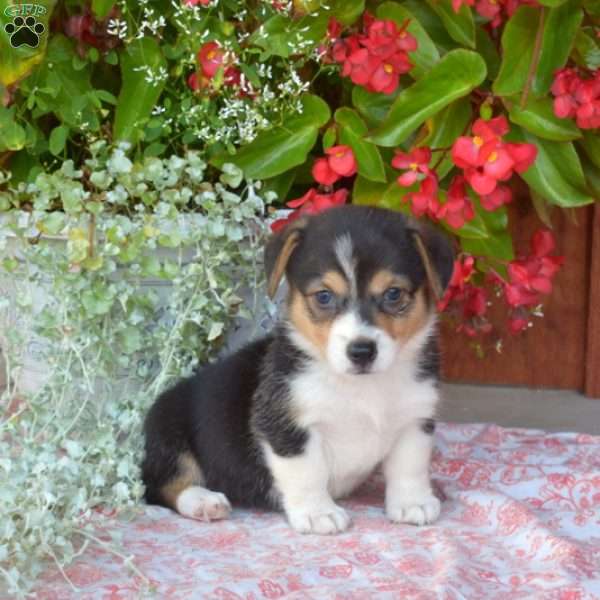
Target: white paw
x=324, y=520
x=199, y=503
x=415, y=511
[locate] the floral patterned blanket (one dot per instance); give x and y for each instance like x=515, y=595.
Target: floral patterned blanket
x=520, y=519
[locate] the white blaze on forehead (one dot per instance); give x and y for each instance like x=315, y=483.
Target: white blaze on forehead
x=344, y=253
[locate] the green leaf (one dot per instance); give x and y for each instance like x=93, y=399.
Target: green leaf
x=538, y=117
x=283, y=36
x=557, y=174
x=592, y=7
x=459, y=25
x=106, y=96
x=591, y=144
x=368, y=192
x=329, y=137
x=552, y=2
x=372, y=106
x=101, y=8
x=137, y=97
x=587, y=51
x=488, y=51
x=281, y=184
x=346, y=11
x=498, y=246
x=279, y=149
x=12, y=135
x=352, y=133
x=130, y=340
x=426, y=54
x=443, y=129
x=457, y=73
x=58, y=139
x=561, y=24
x=432, y=24
x=518, y=40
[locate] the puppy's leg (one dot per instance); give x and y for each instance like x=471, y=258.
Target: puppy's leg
x=408, y=495
x=302, y=481
x=184, y=493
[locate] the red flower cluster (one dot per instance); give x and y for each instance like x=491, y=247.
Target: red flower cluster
x=196, y=2
x=457, y=209
x=528, y=278
x=376, y=58
x=575, y=97
x=211, y=58
x=311, y=203
x=532, y=275
x=487, y=159
x=339, y=162
x=468, y=300
x=88, y=31
x=494, y=10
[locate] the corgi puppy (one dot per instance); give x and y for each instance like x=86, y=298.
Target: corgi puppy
x=346, y=382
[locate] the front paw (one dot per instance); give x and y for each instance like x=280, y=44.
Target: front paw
x=416, y=511
x=322, y=519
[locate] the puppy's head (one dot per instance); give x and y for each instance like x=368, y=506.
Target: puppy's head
x=363, y=284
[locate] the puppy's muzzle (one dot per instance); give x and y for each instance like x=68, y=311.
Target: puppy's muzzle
x=362, y=352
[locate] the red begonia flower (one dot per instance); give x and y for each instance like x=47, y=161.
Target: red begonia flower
x=307, y=198
x=523, y=155
x=425, y=201
x=491, y=129
x=323, y=173
x=461, y=274
x=458, y=208
x=517, y=324
x=359, y=66
x=210, y=57
x=416, y=162
x=196, y=2
x=193, y=81
x=500, y=196
x=341, y=160
x=542, y=243
x=334, y=28
x=386, y=76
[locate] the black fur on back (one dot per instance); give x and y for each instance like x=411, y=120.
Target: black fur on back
x=218, y=415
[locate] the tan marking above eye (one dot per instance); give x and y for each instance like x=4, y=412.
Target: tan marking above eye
x=404, y=325
x=331, y=280
x=384, y=279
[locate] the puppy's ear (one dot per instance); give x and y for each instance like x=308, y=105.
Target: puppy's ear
x=278, y=251
x=437, y=255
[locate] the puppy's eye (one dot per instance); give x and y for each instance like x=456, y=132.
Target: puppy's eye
x=394, y=300
x=393, y=295
x=324, y=298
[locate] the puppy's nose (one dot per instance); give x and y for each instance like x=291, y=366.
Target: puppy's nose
x=362, y=352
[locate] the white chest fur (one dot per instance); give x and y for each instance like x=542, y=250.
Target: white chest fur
x=357, y=418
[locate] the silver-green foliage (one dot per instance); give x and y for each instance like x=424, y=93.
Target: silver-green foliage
x=127, y=287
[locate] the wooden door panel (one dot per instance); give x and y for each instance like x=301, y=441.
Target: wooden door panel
x=553, y=352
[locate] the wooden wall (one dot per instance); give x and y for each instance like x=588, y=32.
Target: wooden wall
x=562, y=350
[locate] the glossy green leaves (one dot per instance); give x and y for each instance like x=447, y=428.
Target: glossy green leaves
x=278, y=149
x=454, y=76
x=142, y=64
